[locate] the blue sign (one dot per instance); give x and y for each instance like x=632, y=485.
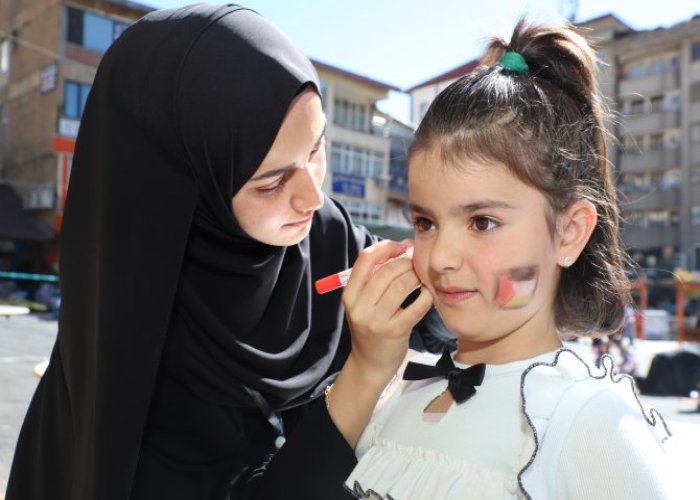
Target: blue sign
x=349, y=185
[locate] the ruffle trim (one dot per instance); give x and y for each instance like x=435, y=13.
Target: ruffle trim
x=419, y=469
x=580, y=372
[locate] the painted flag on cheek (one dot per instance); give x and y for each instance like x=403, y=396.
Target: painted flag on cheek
x=515, y=287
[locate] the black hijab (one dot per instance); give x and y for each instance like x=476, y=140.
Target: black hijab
x=184, y=107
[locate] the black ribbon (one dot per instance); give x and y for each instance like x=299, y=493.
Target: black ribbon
x=461, y=382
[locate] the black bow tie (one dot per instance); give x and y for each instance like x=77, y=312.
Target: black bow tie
x=460, y=381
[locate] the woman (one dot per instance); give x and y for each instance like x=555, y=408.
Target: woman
x=190, y=346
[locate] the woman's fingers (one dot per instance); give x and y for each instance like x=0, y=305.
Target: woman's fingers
x=370, y=261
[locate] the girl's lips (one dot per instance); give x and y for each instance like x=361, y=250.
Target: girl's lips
x=454, y=295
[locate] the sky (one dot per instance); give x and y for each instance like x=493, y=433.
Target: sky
x=405, y=42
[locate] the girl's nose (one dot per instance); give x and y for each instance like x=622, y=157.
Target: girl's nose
x=445, y=254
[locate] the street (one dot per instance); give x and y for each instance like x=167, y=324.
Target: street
x=26, y=341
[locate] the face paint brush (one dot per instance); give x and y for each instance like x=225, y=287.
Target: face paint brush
x=341, y=279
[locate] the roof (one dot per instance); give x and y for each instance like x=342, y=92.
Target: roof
x=452, y=74
x=359, y=78
x=16, y=223
x=133, y=5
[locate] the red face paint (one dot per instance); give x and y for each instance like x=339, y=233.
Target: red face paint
x=515, y=287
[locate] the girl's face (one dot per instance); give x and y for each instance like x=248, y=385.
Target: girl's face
x=277, y=204
x=484, y=249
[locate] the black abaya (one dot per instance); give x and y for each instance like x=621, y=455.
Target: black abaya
x=184, y=346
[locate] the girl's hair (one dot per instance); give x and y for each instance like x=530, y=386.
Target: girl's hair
x=546, y=124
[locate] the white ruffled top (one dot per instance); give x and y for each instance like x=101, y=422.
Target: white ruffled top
x=549, y=427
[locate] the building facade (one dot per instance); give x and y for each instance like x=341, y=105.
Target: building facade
x=49, y=52
x=651, y=81
x=358, y=151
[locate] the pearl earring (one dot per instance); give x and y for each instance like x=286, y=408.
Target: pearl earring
x=568, y=260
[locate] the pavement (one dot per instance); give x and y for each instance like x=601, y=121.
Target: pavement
x=26, y=342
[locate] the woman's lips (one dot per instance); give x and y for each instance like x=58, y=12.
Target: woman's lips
x=302, y=222
x=454, y=295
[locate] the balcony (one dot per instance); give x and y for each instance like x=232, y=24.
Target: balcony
x=651, y=84
x=652, y=199
x=634, y=161
x=651, y=236
x=695, y=153
x=651, y=122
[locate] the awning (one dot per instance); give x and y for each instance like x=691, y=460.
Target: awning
x=18, y=225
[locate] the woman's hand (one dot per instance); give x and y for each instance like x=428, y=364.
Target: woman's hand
x=381, y=280
x=380, y=330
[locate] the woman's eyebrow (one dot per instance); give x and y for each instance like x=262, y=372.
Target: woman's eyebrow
x=282, y=170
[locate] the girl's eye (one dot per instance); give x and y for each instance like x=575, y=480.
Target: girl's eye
x=421, y=224
x=483, y=223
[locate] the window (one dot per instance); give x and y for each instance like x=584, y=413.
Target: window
x=695, y=51
x=656, y=142
x=657, y=66
x=356, y=161
x=361, y=211
x=695, y=132
x=4, y=56
x=636, y=107
x=92, y=31
x=695, y=91
x=673, y=103
x=74, y=98
x=657, y=103
x=350, y=115
x=636, y=71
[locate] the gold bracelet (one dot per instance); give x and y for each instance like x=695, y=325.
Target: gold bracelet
x=326, y=394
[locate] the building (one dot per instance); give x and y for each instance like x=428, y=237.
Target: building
x=358, y=152
x=422, y=94
x=49, y=53
x=651, y=80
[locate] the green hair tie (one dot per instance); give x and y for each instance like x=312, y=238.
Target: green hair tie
x=512, y=61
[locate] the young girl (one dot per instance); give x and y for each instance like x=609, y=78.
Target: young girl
x=516, y=238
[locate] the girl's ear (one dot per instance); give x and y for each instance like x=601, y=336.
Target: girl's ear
x=576, y=225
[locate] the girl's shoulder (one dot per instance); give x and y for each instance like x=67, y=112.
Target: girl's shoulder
x=566, y=401
x=567, y=384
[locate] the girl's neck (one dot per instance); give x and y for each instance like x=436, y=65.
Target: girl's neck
x=504, y=349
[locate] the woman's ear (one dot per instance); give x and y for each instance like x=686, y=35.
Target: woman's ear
x=575, y=228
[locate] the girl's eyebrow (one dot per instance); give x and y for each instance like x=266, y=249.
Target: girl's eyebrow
x=467, y=208
x=481, y=205
x=282, y=170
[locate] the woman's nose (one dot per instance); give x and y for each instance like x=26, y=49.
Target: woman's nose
x=308, y=195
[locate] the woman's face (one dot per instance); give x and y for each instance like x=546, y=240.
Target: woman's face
x=278, y=202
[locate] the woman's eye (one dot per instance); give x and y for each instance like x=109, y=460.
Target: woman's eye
x=273, y=189
x=421, y=224
x=483, y=223
x=315, y=151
